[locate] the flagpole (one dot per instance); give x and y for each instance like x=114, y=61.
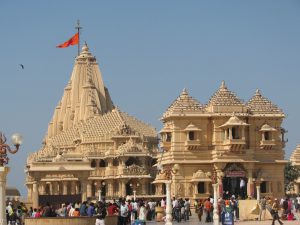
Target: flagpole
x=78, y=27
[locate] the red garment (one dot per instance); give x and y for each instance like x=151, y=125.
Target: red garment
x=72, y=41
x=112, y=210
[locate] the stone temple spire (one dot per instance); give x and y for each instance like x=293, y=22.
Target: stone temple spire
x=85, y=95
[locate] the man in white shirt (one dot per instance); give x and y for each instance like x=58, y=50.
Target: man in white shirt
x=123, y=213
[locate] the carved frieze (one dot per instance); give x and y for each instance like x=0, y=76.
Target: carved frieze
x=135, y=170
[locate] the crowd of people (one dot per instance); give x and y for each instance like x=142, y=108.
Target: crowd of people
x=139, y=211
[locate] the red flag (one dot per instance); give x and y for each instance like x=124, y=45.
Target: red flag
x=72, y=41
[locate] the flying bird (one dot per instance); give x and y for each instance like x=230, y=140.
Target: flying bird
x=22, y=66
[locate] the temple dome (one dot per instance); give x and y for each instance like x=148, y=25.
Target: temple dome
x=259, y=104
x=224, y=100
x=184, y=104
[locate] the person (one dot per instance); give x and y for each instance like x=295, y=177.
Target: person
x=227, y=214
x=290, y=215
x=274, y=212
x=199, y=210
x=297, y=205
x=262, y=208
x=83, y=209
x=123, y=213
x=242, y=188
x=142, y=214
x=101, y=214
x=47, y=210
x=76, y=212
x=112, y=209
x=91, y=210
x=71, y=212
x=207, y=209
x=186, y=209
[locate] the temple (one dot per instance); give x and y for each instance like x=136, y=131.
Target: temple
x=91, y=148
x=295, y=160
x=240, y=145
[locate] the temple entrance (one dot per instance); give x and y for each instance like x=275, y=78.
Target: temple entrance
x=234, y=181
x=234, y=186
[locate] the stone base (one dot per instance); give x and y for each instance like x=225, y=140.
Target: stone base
x=109, y=220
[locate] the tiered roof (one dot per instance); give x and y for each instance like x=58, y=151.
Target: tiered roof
x=86, y=113
x=295, y=157
x=259, y=104
x=183, y=104
x=224, y=97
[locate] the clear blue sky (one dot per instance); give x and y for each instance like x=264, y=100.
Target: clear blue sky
x=148, y=52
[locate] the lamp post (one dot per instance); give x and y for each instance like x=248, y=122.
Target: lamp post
x=102, y=184
x=168, y=171
x=215, y=183
x=4, y=148
x=134, y=186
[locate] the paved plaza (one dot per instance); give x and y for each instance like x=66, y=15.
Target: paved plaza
x=194, y=221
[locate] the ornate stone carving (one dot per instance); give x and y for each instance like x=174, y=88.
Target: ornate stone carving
x=200, y=175
x=135, y=170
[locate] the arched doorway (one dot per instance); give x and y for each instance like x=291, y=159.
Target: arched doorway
x=234, y=181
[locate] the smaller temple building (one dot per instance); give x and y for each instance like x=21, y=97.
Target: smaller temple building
x=241, y=144
x=295, y=160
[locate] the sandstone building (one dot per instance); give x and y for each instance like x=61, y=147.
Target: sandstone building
x=91, y=145
x=295, y=160
x=241, y=143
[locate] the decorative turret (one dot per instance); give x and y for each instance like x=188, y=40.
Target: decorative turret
x=260, y=105
x=184, y=104
x=225, y=101
x=85, y=95
x=295, y=157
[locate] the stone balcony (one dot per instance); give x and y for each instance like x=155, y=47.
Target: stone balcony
x=267, y=144
x=234, y=145
x=192, y=145
x=165, y=145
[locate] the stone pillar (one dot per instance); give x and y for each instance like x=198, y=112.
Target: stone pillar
x=220, y=183
x=168, y=204
x=97, y=189
x=144, y=187
x=89, y=189
x=230, y=133
x=243, y=133
x=250, y=185
x=35, y=195
x=207, y=187
x=226, y=134
x=263, y=136
x=216, y=210
x=29, y=191
x=123, y=188
x=42, y=188
x=257, y=191
x=65, y=187
x=83, y=190
x=55, y=187
x=110, y=188
x=3, y=174
x=73, y=187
